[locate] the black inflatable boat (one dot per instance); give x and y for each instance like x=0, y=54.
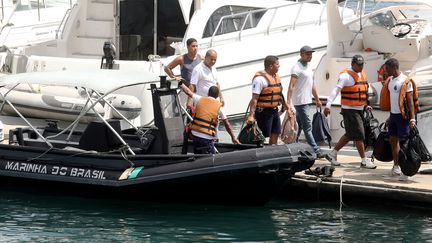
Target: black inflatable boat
x=139, y=163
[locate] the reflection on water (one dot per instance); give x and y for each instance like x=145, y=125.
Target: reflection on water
x=40, y=218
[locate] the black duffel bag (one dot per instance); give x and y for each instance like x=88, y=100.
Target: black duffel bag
x=418, y=145
x=371, y=128
x=409, y=160
x=382, y=150
x=251, y=134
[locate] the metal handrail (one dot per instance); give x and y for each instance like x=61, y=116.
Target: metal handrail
x=2, y=7
x=243, y=25
x=64, y=19
x=250, y=12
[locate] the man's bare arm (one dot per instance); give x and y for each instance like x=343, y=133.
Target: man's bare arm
x=229, y=129
x=174, y=63
x=252, y=107
x=186, y=90
x=293, y=82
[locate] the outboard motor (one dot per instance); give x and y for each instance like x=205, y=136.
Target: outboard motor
x=109, y=56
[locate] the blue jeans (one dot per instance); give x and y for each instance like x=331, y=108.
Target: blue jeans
x=304, y=123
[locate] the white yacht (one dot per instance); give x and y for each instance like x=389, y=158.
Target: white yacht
x=242, y=32
x=401, y=29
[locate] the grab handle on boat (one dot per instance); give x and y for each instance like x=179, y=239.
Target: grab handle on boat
x=306, y=156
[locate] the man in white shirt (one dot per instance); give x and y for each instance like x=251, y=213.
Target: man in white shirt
x=353, y=86
x=204, y=75
x=398, y=126
x=300, y=92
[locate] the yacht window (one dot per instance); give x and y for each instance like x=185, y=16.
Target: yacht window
x=385, y=20
x=23, y=5
x=233, y=21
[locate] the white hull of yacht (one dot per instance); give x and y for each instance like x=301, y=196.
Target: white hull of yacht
x=378, y=36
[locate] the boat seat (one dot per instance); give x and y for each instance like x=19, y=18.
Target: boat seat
x=97, y=136
x=382, y=40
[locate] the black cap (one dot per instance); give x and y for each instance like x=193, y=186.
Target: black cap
x=306, y=49
x=357, y=59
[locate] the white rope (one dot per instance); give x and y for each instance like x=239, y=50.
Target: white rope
x=341, y=204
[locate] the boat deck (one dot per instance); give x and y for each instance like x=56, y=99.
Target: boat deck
x=355, y=182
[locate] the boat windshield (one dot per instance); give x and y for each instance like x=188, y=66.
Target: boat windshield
x=385, y=19
x=233, y=18
x=169, y=106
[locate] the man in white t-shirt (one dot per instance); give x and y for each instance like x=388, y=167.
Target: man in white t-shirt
x=353, y=86
x=398, y=126
x=300, y=92
x=204, y=75
x=205, y=121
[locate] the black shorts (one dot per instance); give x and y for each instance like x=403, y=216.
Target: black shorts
x=353, y=122
x=268, y=121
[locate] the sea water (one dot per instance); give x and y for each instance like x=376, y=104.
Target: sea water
x=38, y=218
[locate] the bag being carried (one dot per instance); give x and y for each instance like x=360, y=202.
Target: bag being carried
x=418, y=145
x=289, y=127
x=409, y=160
x=251, y=134
x=320, y=128
x=382, y=149
x=371, y=128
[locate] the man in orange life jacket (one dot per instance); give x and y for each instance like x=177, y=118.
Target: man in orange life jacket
x=205, y=122
x=353, y=86
x=398, y=86
x=266, y=97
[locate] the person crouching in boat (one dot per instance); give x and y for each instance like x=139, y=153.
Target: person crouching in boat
x=206, y=118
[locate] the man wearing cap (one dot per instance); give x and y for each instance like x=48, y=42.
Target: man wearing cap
x=300, y=92
x=353, y=86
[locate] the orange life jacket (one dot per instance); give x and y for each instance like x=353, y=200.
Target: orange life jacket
x=385, y=97
x=206, y=116
x=382, y=74
x=357, y=94
x=271, y=96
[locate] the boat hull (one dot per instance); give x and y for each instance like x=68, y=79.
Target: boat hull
x=250, y=177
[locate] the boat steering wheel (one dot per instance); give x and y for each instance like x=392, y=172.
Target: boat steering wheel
x=400, y=30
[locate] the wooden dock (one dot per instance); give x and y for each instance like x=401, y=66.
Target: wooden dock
x=351, y=181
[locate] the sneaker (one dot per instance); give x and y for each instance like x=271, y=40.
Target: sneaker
x=403, y=177
x=368, y=164
x=395, y=171
x=332, y=159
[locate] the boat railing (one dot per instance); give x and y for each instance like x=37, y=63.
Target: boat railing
x=63, y=22
x=13, y=28
x=247, y=17
x=2, y=10
x=40, y=6
x=6, y=101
